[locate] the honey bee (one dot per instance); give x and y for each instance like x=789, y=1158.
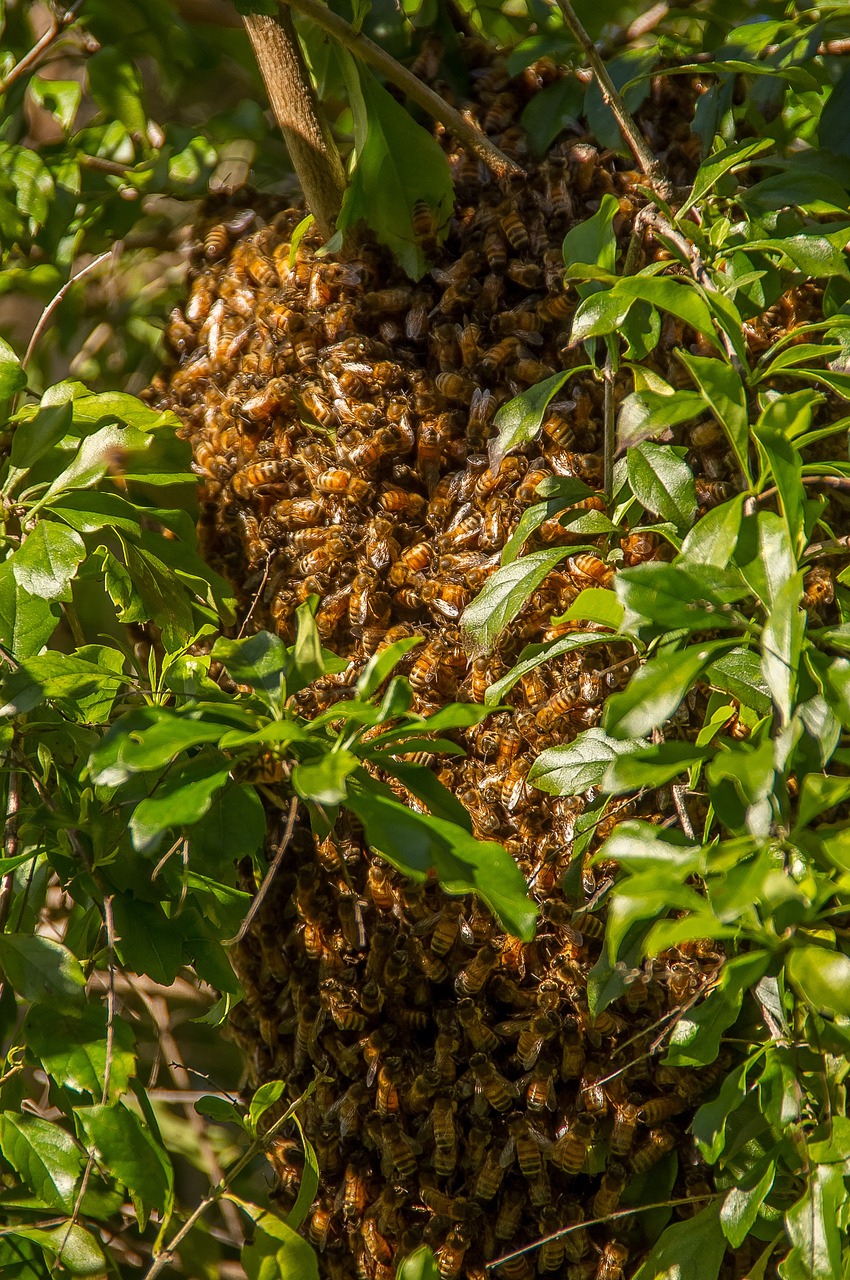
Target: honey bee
x=340, y=1007
x=612, y=1260
x=416, y=320
x=558, y=706
x=383, y=300
x=216, y=242
x=490, y=1085
x=527, y=1143
x=390, y=1073
x=342, y=483
x=401, y=502
x=399, y=1148
x=446, y=598
x=472, y=979
x=261, y=269
x=570, y=1151
x=421, y=1091
x=520, y=320
x=655, y=1110
x=551, y=1256
x=489, y=1179
x=514, y=230
x=446, y=1045
x=321, y=1220
x=509, y=1217
x=376, y=1246
x=426, y=64
x=540, y=1094
x=660, y=1141
x=818, y=588
x=528, y=275
x=607, y=1198
x=455, y=386
x=449, y=925
x=540, y=1029
x=396, y=967
x=623, y=1132
x=711, y=493
x=450, y=1256
x=482, y=1039
x=529, y=371
x=496, y=357
x=443, y=1122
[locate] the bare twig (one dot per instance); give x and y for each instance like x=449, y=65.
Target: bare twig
x=369, y=52
x=55, y=301
x=594, y=1222
x=262, y=892
x=647, y=162
x=29, y=59
x=10, y=845
x=305, y=130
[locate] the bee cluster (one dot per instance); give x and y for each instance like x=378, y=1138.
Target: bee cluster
x=339, y=417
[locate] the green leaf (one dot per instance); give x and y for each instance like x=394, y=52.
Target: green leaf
x=741, y=1207
x=600, y=314
x=325, y=781
x=693, y=1248
x=723, y=391
x=574, y=768
x=593, y=241
x=233, y=827
x=264, y=1097
x=813, y=1227
x=12, y=377
x=33, y=439
x=116, y=86
x=258, y=661
x=720, y=162
x=594, y=604
x=422, y=783
x=709, y=1123
x=537, y=654
x=821, y=977
x=309, y=1184
x=695, y=1039
x=26, y=621
x=275, y=1251
x=39, y=968
x=60, y=97
x=640, y=847
x=45, y=1156
x=520, y=419
x=819, y=792
x=87, y=688
x=670, y=293
x=651, y=766
x=739, y=674
x=398, y=163
x=781, y=643
x=218, y=1109
x=382, y=663
x=48, y=561
x=656, y=690
x=78, y=1250
x=307, y=664
x=182, y=798
x=147, y=941
x=663, y=482
x=661, y=597
x=506, y=591
x=644, y=414
x=832, y=127
x=70, y=1043
x=126, y=1148
x=713, y=539
x=549, y=112
x=784, y=461
x=419, y=1265
x=419, y=843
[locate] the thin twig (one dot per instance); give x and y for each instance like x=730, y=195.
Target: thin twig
x=10, y=846
x=594, y=1222
x=609, y=438
x=57, y=299
x=372, y=54
x=829, y=482
x=647, y=162
x=166, y=1257
x=55, y=29
x=262, y=892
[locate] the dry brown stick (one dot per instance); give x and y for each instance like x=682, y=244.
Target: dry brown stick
x=59, y=295
x=263, y=890
x=305, y=130
x=659, y=181
x=369, y=52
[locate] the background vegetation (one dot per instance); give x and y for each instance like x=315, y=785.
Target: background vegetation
x=135, y=772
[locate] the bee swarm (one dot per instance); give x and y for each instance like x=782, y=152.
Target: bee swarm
x=339, y=417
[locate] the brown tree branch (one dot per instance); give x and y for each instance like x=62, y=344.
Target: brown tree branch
x=30, y=58
x=370, y=53
x=307, y=134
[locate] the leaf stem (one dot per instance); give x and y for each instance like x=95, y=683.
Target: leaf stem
x=55, y=29
x=374, y=56
x=647, y=162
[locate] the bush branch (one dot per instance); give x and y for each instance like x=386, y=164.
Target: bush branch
x=370, y=53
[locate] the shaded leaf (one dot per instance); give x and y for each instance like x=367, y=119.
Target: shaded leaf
x=39, y=968
x=129, y=1152
x=46, y=1157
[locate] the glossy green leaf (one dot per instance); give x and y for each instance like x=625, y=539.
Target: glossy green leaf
x=12, y=377
x=419, y=843
x=39, y=968
x=594, y=604
x=813, y=1227
x=714, y=537
x=76, y=1248
x=723, y=391
x=398, y=163
x=832, y=129
x=422, y=783
x=735, y=156
x=419, y=1265
x=70, y=1043
x=709, y=1123
x=309, y=1184
x=45, y=1156
x=575, y=767
x=696, y=1037
x=258, y=661
x=663, y=482
x=325, y=782
x=656, y=690
x=821, y=977
x=116, y=86
x=693, y=1248
x=276, y=1251
x=659, y=597
x=126, y=1148
x=33, y=439
x=739, y=673
x=741, y=1207
x=651, y=766
x=266, y=1096
x=640, y=846
x=645, y=414
x=781, y=642
x=220, y=1110
x=147, y=941
x=182, y=798
x=536, y=656
x=593, y=240
x=505, y=593
x=785, y=464
x=87, y=688
x=520, y=419
x=381, y=665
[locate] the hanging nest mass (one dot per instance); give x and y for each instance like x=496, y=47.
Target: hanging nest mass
x=339, y=417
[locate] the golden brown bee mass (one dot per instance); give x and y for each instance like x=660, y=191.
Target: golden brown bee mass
x=340, y=418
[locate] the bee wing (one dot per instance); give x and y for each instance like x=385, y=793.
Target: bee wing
x=425, y=926
x=506, y=1155
x=466, y=934
x=511, y=1027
